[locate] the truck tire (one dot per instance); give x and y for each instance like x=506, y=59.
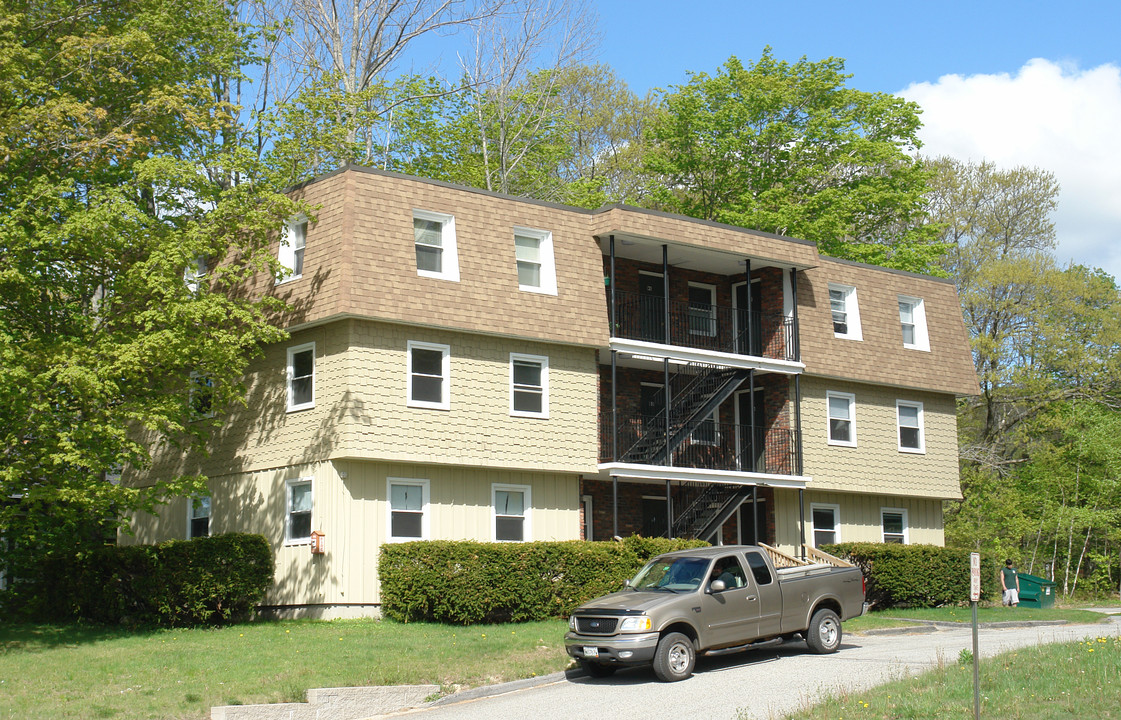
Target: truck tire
x=675, y=657
x=597, y=670
x=824, y=633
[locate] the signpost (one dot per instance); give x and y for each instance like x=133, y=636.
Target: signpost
x=974, y=596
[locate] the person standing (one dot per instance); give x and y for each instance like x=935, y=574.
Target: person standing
x=1010, y=582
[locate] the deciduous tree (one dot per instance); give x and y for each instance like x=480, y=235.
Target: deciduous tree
x=789, y=148
x=121, y=171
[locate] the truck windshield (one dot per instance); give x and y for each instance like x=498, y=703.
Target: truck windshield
x=683, y=574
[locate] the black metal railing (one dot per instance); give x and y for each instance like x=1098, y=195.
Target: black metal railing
x=710, y=445
x=705, y=327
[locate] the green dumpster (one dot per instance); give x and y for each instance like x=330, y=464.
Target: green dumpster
x=1036, y=592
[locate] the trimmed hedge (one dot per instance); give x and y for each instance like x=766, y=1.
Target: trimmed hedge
x=204, y=581
x=463, y=583
x=917, y=575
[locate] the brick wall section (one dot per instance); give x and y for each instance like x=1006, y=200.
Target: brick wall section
x=630, y=509
x=880, y=357
x=777, y=399
x=876, y=465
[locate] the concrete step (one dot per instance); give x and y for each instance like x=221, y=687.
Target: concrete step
x=352, y=703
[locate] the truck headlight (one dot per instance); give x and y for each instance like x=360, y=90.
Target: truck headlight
x=634, y=624
x=572, y=623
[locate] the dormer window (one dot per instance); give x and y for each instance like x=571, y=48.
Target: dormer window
x=434, y=240
x=533, y=252
x=292, y=246
x=845, y=312
x=912, y=321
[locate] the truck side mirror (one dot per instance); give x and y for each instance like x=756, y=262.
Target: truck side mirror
x=627, y=583
x=717, y=586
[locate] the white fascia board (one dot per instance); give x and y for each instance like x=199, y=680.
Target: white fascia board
x=658, y=472
x=686, y=354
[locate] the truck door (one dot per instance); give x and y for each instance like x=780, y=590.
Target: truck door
x=770, y=595
x=730, y=616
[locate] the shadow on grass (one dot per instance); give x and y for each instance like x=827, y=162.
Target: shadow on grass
x=31, y=637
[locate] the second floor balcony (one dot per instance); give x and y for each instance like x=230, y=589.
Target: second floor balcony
x=704, y=326
x=710, y=445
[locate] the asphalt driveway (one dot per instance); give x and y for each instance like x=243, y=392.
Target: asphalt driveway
x=759, y=684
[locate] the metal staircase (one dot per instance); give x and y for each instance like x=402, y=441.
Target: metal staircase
x=703, y=389
x=709, y=510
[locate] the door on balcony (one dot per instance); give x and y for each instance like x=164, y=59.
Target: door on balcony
x=652, y=307
x=749, y=328
x=751, y=431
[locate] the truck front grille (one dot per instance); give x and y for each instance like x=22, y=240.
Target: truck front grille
x=596, y=625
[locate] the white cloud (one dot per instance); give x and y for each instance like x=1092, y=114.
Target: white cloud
x=1049, y=115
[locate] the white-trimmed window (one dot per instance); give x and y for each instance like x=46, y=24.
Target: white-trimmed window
x=511, y=506
x=912, y=321
x=910, y=418
x=842, y=418
x=198, y=516
x=893, y=522
x=297, y=521
x=195, y=273
x=702, y=309
x=845, y=312
x=200, y=396
x=436, y=252
x=529, y=385
x=533, y=252
x=586, y=509
x=292, y=244
x=825, y=520
x=301, y=377
x=429, y=375
x=408, y=509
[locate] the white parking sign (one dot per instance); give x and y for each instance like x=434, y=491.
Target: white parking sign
x=974, y=576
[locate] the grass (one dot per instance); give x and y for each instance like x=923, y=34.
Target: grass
x=1047, y=682
x=49, y=671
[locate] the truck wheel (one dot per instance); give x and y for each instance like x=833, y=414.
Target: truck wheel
x=597, y=670
x=674, y=658
x=824, y=634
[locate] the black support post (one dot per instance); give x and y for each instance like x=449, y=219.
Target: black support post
x=802, y=522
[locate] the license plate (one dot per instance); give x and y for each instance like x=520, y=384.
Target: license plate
x=591, y=652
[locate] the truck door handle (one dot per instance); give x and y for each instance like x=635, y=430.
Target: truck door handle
x=751, y=598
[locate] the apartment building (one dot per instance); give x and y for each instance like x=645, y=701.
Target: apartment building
x=466, y=365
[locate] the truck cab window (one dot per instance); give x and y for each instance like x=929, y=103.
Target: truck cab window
x=759, y=568
x=729, y=570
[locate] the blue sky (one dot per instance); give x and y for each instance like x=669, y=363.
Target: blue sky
x=1016, y=83
x=886, y=45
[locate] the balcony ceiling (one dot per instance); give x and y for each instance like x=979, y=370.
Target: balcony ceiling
x=690, y=257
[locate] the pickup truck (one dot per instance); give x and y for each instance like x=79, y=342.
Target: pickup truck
x=712, y=600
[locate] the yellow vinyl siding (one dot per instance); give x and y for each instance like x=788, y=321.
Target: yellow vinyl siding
x=876, y=464
x=859, y=517
x=353, y=513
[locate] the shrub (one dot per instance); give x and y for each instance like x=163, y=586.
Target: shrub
x=917, y=575
x=205, y=581
x=462, y=583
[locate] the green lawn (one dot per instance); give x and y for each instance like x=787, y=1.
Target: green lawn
x=49, y=671
x=1049, y=682
x=75, y=672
